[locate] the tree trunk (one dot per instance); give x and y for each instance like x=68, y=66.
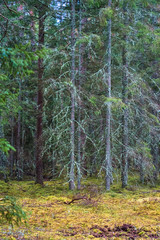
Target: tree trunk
x=140, y=132
x=11, y=157
x=124, y=174
x=3, y=158
x=39, y=162
x=141, y=169
x=72, y=160
x=155, y=161
x=79, y=107
x=54, y=161
x=19, y=169
x=155, y=155
x=108, y=113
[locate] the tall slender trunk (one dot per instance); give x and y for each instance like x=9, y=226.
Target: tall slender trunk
x=155, y=155
x=156, y=160
x=140, y=132
x=33, y=40
x=108, y=113
x=141, y=168
x=39, y=162
x=19, y=169
x=54, y=162
x=124, y=173
x=72, y=160
x=22, y=144
x=3, y=158
x=11, y=157
x=79, y=107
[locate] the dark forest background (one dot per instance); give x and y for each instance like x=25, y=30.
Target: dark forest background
x=79, y=90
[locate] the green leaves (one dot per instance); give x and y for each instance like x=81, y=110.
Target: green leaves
x=94, y=3
x=104, y=14
x=90, y=40
x=10, y=211
x=116, y=101
x=17, y=61
x=103, y=100
x=5, y=146
x=93, y=100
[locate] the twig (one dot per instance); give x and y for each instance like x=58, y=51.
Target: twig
x=11, y=10
x=13, y=23
x=4, y=17
x=5, y=32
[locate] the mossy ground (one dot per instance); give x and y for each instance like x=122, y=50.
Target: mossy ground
x=49, y=217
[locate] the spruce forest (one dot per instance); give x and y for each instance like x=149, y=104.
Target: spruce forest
x=79, y=119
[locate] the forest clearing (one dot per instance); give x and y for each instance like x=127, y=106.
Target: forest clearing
x=53, y=212
x=79, y=119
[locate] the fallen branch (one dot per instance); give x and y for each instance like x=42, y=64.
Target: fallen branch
x=77, y=198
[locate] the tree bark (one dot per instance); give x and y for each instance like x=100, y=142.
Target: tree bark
x=19, y=165
x=3, y=158
x=72, y=160
x=108, y=167
x=124, y=174
x=39, y=143
x=11, y=157
x=155, y=155
x=79, y=105
x=141, y=160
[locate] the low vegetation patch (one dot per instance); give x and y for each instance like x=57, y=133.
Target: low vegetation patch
x=54, y=213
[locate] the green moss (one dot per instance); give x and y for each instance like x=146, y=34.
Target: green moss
x=48, y=212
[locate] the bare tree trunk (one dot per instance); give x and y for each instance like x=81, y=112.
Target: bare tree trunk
x=54, y=161
x=155, y=160
x=141, y=169
x=12, y=143
x=108, y=113
x=19, y=135
x=80, y=105
x=22, y=145
x=3, y=158
x=72, y=160
x=39, y=161
x=124, y=174
x=155, y=155
x=141, y=121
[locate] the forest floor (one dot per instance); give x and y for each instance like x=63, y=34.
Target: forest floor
x=57, y=214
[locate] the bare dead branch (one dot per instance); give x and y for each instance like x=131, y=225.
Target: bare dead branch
x=8, y=21
x=11, y=10
x=5, y=32
x=4, y=17
x=77, y=198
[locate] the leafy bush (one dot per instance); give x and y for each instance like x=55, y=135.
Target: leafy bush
x=10, y=211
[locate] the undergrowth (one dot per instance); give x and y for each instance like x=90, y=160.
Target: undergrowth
x=54, y=212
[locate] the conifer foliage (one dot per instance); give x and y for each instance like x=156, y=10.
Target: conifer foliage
x=79, y=90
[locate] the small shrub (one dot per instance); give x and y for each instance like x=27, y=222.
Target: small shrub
x=11, y=212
